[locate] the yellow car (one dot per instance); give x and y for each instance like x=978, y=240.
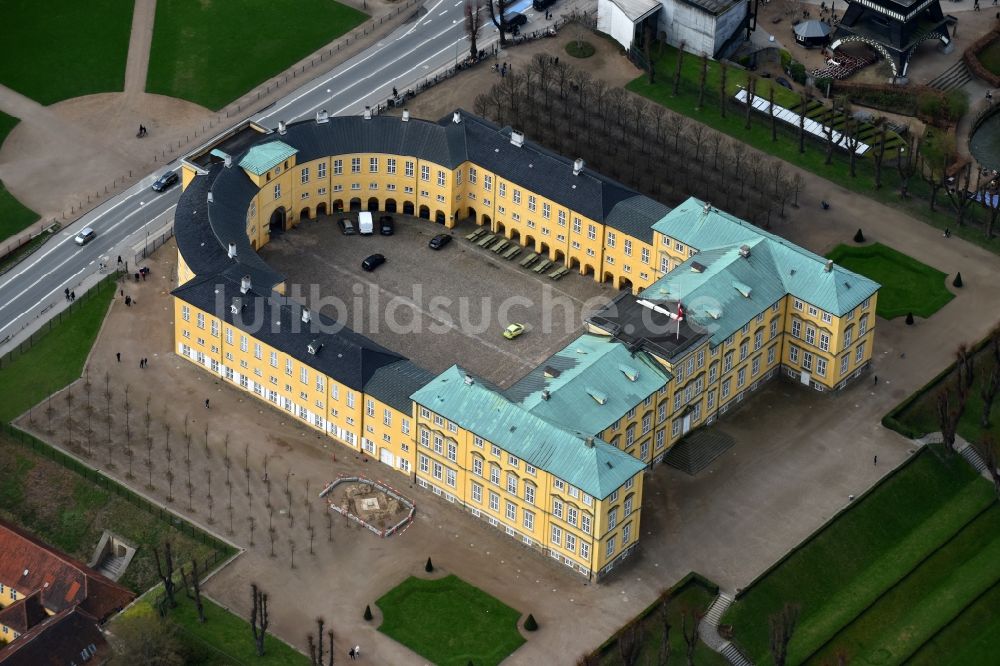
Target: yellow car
x=513, y=331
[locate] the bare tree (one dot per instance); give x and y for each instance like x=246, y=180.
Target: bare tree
x=988, y=392
x=664, y=656
x=69, y=416
x=497, y=10
x=723, y=95
x=689, y=629
x=966, y=360
x=879, y=156
x=677, y=70
x=702, y=75
x=990, y=201
x=630, y=644
x=259, y=619
x=316, y=650
x=751, y=90
x=782, y=626
x=166, y=572
x=127, y=408
x=906, y=163
x=770, y=110
x=960, y=195
x=804, y=99
x=194, y=585
x=291, y=551
x=950, y=407
x=988, y=451
x=474, y=19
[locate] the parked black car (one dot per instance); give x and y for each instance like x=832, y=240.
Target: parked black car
x=372, y=262
x=166, y=181
x=439, y=241
x=386, y=226
x=346, y=226
x=514, y=20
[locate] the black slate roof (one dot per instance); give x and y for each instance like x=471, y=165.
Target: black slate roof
x=344, y=355
x=394, y=384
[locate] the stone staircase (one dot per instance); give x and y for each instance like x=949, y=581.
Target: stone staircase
x=974, y=459
x=697, y=450
x=111, y=566
x=952, y=78
x=708, y=631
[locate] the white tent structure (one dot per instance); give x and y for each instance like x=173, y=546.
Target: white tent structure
x=712, y=27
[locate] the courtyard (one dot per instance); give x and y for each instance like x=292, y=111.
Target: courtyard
x=436, y=307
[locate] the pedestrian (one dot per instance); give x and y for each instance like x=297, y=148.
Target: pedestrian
x=122, y=293
x=357, y=652
x=119, y=356
x=876, y=461
x=143, y=274
x=350, y=653
x=128, y=301
x=137, y=276
x=67, y=293
x=206, y=404
x=120, y=259
x=72, y=295
x=140, y=363
x=875, y=383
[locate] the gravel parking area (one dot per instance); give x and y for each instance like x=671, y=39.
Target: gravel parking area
x=435, y=307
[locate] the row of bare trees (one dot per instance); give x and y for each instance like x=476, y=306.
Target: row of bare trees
x=647, y=147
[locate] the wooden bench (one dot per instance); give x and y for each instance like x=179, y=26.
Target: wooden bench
x=558, y=273
x=512, y=252
x=486, y=240
x=477, y=234
x=527, y=260
x=500, y=245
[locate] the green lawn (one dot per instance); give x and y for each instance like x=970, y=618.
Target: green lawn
x=7, y=123
x=990, y=57
x=921, y=415
x=61, y=49
x=225, y=639
x=862, y=553
x=450, y=622
x=691, y=596
x=974, y=633
x=210, y=53
x=56, y=359
x=907, y=284
x=14, y=216
x=924, y=602
x=71, y=511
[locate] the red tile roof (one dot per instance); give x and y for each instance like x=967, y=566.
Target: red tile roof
x=29, y=565
x=58, y=640
x=24, y=613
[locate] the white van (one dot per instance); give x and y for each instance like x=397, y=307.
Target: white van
x=365, y=225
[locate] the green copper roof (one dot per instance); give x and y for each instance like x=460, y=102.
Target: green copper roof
x=786, y=267
x=591, y=383
x=261, y=159
x=597, y=470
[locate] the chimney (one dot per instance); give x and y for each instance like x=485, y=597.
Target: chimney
x=456, y=117
x=578, y=166
x=545, y=394
x=469, y=381
x=829, y=266
x=210, y=198
x=236, y=306
x=368, y=113
x=245, y=284
x=707, y=208
x=517, y=138
x=229, y=161
x=589, y=442
x=232, y=250
x=322, y=117
x=314, y=347
x=745, y=251
x=306, y=317
x=281, y=127
x=406, y=116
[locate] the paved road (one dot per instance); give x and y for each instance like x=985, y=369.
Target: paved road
x=431, y=42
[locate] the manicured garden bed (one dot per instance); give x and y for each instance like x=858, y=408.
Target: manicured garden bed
x=907, y=285
x=61, y=49
x=210, y=53
x=450, y=622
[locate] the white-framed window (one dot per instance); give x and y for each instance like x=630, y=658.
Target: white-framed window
x=529, y=493
x=627, y=247
x=770, y=354
x=813, y=311
x=423, y=462
x=859, y=353
x=797, y=304
x=425, y=173
x=796, y=328
x=511, y=483
x=516, y=196
x=755, y=366
x=441, y=178
x=321, y=170
x=355, y=165
x=277, y=190
x=821, y=366
x=807, y=361
x=810, y=335
x=304, y=175
x=449, y=477
x=585, y=550
x=793, y=354
x=477, y=466
x=845, y=363
x=494, y=501
x=528, y=520
x=611, y=546
x=487, y=182
x=495, y=475
x=477, y=493
x=556, y=536
x=511, y=511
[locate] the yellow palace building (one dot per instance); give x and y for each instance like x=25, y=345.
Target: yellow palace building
x=710, y=308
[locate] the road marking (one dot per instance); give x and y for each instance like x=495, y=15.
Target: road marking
x=441, y=14
x=55, y=246
x=340, y=72
x=427, y=22
x=55, y=269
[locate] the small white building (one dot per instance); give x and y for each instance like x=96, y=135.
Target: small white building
x=714, y=27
